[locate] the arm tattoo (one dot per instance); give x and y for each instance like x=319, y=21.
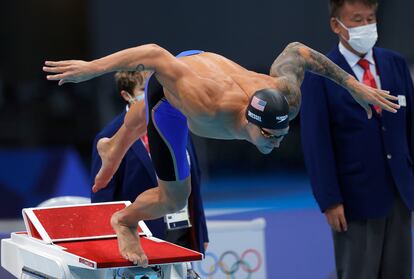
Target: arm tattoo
x=140, y=68
x=297, y=58
x=289, y=64
x=321, y=65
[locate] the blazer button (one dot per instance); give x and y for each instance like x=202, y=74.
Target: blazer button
x=383, y=128
x=389, y=156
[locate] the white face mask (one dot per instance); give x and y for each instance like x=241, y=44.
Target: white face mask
x=362, y=38
x=133, y=100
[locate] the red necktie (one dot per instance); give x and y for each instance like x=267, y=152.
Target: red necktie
x=369, y=79
x=145, y=141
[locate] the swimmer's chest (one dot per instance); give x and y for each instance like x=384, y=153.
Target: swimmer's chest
x=221, y=126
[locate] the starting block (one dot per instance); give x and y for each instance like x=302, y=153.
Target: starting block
x=78, y=241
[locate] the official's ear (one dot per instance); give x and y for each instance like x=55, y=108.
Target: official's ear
x=125, y=95
x=335, y=27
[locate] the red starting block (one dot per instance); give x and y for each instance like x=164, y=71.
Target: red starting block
x=78, y=242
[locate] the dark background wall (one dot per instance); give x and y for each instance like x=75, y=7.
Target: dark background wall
x=34, y=112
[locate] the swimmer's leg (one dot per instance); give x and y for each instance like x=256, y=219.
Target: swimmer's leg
x=168, y=197
x=112, y=150
x=167, y=135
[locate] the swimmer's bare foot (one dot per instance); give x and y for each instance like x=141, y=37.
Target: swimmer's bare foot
x=128, y=242
x=112, y=150
x=110, y=163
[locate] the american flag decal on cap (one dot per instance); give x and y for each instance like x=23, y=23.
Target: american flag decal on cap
x=258, y=104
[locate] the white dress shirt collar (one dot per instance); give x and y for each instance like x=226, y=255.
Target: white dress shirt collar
x=352, y=58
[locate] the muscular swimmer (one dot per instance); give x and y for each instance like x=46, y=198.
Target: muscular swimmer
x=213, y=97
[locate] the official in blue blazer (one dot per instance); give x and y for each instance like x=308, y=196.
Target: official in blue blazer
x=361, y=169
x=136, y=174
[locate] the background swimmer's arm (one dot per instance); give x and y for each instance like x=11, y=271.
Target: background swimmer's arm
x=146, y=57
x=297, y=58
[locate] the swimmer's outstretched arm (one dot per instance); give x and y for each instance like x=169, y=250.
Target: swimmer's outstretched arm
x=146, y=57
x=297, y=58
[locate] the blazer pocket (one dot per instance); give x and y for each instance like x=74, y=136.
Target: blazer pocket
x=350, y=168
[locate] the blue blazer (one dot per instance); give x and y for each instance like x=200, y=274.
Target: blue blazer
x=136, y=174
x=346, y=154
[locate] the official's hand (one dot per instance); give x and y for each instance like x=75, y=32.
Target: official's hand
x=366, y=95
x=205, y=246
x=336, y=218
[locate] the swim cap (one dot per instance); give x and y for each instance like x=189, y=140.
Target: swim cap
x=269, y=109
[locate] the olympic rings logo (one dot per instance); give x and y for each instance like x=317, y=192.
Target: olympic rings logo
x=230, y=263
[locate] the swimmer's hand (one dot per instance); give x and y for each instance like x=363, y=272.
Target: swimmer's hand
x=70, y=71
x=366, y=95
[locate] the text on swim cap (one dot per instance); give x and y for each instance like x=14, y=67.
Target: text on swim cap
x=254, y=116
x=281, y=118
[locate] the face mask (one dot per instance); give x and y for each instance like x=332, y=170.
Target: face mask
x=133, y=100
x=362, y=38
